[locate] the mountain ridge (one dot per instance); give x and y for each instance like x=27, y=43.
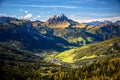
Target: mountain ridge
x=39, y=33
x=61, y=21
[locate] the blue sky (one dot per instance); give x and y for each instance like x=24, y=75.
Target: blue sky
x=79, y=10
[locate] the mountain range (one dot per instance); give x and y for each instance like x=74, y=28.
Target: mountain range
x=56, y=34
x=97, y=23
x=59, y=48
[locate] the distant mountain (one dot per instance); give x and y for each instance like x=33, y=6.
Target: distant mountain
x=61, y=21
x=117, y=22
x=7, y=19
x=96, y=23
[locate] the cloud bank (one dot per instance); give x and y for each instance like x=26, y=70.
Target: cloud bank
x=88, y=19
x=27, y=16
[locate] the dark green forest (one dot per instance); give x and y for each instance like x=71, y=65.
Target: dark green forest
x=101, y=70
x=21, y=65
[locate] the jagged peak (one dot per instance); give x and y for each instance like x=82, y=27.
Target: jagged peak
x=59, y=16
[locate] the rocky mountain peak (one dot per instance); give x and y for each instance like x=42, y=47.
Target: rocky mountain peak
x=58, y=21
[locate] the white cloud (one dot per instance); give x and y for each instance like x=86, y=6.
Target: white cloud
x=72, y=16
x=88, y=19
x=25, y=11
x=13, y=15
x=111, y=19
x=27, y=16
x=34, y=18
x=38, y=16
x=21, y=10
x=2, y=14
x=21, y=17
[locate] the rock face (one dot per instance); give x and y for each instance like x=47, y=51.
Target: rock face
x=58, y=21
x=61, y=21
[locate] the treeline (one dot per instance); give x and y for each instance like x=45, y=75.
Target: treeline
x=101, y=70
x=26, y=70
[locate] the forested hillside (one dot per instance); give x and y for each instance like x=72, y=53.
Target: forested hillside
x=21, y=65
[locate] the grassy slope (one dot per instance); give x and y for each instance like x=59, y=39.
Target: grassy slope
x=95, y=50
